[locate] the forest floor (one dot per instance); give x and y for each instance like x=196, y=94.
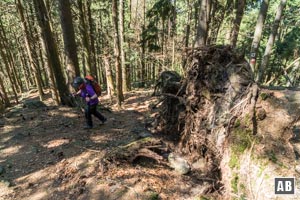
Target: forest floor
x=46, y=154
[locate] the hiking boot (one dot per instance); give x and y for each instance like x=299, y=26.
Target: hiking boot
x=87, y=127
x=104, y=121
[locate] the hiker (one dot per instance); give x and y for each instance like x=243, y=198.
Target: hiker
x=87, y=92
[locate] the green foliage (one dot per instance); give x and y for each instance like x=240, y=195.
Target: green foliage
x=234, y=183
x=151, y=36
x=286, y=42
x=242, y=139
x=264, y=96
x=160, y=12
x=163, y=24
x=291, y=24
x=153, y=196
x=289, y=44
x=162, y=9
x=272, y=156
x=234, y=161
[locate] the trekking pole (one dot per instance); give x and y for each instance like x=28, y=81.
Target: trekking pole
x=78, y=102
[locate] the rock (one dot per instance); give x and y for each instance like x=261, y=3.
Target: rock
x=179, y=164
x=145, y=134
x=297, y=169
x=199, y=164
x=35, y=149
x=12, y=112
x=33, y=104
x=296, y=148
x=6, y=183
x=296, y=132
x=18, y=136
x=2, y=170
x=261, y=114
x=137, y=129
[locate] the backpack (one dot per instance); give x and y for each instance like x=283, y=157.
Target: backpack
x=97, y=88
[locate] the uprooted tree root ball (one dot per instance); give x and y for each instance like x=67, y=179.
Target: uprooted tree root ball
x=232, y=136
x=217, y=89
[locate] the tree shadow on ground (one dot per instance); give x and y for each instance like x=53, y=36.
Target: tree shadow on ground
x=46, y=154
x=34, y=140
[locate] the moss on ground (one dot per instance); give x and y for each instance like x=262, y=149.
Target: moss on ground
x=264, y=96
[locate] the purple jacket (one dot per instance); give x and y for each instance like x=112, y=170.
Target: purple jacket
x=88, y=91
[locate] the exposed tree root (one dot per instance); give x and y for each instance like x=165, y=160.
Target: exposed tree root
x=147, y=147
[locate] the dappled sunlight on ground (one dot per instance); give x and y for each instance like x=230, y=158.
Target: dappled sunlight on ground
x=56, y=143
x=47, y=155
x=10, y=151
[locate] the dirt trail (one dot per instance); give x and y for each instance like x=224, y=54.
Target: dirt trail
x=45, y=154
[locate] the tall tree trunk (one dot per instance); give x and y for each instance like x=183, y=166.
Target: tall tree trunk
x=3, y=54
x=10, y=60
x=34, y=43
x=240, y=7
x=141, y=71
x=15, y=77
x=85, y=38
x=122, y=44
x=52, y=53
x=174, y=34
x=6, y=59
x=117, y=53
x=109, y=78
x=26, y=71
x=49, y=71
x=258, y=32
x=270, y=43
x=187, y=31
x=30, y=50
x=23, y=70
x=3, y=93
x=228, y=13
x=69, y=41
x=99, y=49
x=203, y=22
x=91, y=39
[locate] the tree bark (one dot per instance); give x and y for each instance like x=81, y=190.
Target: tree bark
x=117, y=53
x=270, y=43
x=3, y=92
x=3, y=54
x=91, y=39
x=141, y=70
x=109, y=78
x=258, y=32
x=85, y=39
x=69, y=41
x=49, y=71
x=24, y=65
x=203, y=21
x=240, y=7
x=187, y=30
x=122, y=44
x=29, y=50
x=23, y=70
x=35, y=44
x=52, y=53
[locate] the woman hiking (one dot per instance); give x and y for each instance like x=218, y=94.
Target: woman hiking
x=86, y=90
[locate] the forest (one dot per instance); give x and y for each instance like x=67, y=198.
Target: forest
x=214, y=82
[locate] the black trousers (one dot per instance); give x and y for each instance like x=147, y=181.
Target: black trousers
x=92, y=110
